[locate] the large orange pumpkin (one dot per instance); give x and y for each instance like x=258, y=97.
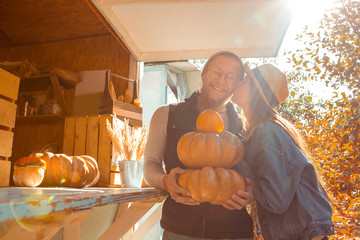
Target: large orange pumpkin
x=214, y=185
x=200, y=149
x=69, y=171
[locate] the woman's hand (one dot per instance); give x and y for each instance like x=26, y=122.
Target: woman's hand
x=242, y=198
x=177, y=193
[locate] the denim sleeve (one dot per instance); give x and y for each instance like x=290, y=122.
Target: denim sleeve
x=276, y=180
x=243, y=168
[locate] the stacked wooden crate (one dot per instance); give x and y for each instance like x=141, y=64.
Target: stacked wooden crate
x=9, y=88
x=87, y=135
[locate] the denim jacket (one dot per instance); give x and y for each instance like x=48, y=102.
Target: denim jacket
x=289, y=199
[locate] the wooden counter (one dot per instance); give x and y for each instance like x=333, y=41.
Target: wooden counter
x=44, y=211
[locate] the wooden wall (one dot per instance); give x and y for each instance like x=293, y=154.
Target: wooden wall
x=93, y=53
x=85, y=54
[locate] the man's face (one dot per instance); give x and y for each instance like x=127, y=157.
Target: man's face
x=219, y=80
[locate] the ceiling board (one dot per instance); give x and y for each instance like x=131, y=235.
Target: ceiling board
x=172, y=30
x=26, y=22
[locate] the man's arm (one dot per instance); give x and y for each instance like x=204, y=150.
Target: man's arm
x=155, y=148
x=154, y=154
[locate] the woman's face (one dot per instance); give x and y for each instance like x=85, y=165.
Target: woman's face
x=241, y=93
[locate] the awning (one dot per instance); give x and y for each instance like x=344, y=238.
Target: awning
x=189, y=29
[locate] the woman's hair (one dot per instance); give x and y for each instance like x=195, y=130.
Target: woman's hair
x=261, y=112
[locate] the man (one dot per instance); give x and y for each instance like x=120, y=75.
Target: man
x=182, y=217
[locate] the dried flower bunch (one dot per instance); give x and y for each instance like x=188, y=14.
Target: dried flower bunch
x=128, y=141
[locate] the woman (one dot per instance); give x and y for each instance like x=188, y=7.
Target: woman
x=291, y=204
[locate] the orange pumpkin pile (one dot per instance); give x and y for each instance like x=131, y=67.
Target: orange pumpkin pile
x=60, y=171
x=209, y=153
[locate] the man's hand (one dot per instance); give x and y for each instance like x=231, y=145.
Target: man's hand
x=242, y=198
x=179, y=194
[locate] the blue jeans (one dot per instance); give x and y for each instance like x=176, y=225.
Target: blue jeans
x=174, y=236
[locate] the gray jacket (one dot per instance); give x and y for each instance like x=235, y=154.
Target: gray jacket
x=290, y=201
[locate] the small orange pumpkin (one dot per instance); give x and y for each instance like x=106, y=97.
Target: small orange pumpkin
x=29, y=171
x=209, y=121
x=214, y=185
x=200, y=149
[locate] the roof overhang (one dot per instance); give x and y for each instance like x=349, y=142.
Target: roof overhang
x=162, y=30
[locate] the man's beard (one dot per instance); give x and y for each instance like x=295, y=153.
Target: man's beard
x=212, y=103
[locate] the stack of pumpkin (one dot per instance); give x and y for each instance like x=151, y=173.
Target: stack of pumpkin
x=210, y=153
x=56, y=170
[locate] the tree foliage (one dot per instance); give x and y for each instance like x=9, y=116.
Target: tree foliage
x=332, y=127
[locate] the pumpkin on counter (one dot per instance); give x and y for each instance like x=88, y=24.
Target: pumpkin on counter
x=69, y=171
x=214, y=185
x=29, y=171
x=94, y=173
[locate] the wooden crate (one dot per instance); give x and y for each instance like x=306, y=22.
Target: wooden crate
x=109, y=104
x=88, y=135
x=9, y=87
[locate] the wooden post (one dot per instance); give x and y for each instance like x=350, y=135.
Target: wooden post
x=127, y=217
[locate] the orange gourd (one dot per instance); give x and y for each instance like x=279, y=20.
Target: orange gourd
x=214, y=185
x=69, y=171
x=199, y=149
x=209, y=121
x=210, y=152
x=29, y=171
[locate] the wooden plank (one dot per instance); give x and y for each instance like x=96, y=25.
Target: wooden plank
x=69, y=95
x=112, y=178
x=72, y=224
x=9, y=84
x=45, y=230
x=53, y=200
x=16, y=231
x=7, y=113
x=4, y=173
x=86, y=54
x=80, y=135
x=128, y=218
x=71, y=232
x=32, y=133
x=92, y=137
x=6, y=143
x=65, y=111
x=123, y=224
x=148, y=224
x=105, y=150
x=129, y=111
x=128, y=107
x=69, y=136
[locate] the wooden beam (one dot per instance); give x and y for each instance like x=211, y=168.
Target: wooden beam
x=149, y=223
x=60, y=96
x=107, y=24
x=128, y=217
